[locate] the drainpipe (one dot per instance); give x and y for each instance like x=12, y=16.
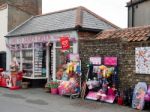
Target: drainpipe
x=132, y=8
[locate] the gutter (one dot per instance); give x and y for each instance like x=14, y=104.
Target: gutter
x=132, y=7
x=77, y=28
x=129, y=4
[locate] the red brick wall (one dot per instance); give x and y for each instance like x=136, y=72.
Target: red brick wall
x=86, y=34
x=125, y=51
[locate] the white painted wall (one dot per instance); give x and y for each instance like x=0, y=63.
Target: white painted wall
x=3, y=32
x=3, y=28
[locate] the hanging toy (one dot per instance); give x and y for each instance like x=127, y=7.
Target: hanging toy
x=71, y=67
x=67, y=71
x=102, y=67
x=78, y=69
x=75, y=67
x=109, y=72
x=104, y=70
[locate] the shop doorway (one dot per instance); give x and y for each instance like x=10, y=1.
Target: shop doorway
x=50, y=61
x=3, y=60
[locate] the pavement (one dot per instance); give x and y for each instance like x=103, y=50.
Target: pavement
x=36, y=100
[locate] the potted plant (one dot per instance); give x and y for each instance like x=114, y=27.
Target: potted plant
x=54, y=87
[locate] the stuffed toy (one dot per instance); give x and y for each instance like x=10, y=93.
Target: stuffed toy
x=103, y=67
x=111, y=90
x=59, y=74
x=104, y=85
x=70, y=68
x=147, y=98
x=92, y=84
x=14, y=64
x=140, y=95
x=78, y=69
x=65, y=76
x=105, y=71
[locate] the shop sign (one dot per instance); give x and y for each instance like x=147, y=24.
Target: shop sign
x=74, y=57
x=65, y=43
x=95, y=60
x=29, y=39
x=37, y=38
x=110, y=61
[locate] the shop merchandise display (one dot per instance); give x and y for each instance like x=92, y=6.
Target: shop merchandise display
x=69, y=83
x=147, y=96
x=103, y=80
x=138, y=95
x=69, y=75
x=31, y=59
x=11, y=79
x=27, y=63
x=39, y=60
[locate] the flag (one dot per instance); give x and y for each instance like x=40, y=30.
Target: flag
x=65, y=44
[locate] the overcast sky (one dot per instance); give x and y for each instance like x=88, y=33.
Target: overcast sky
x=112, y=10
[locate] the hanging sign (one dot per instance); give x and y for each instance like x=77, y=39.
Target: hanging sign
x=74, y=57
x=111, y=61
x=95, y=60
x=65, y=45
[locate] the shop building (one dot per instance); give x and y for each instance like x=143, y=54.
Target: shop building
x=138, y=13
x=130, y=46
x=13, y=13
x=36, y=43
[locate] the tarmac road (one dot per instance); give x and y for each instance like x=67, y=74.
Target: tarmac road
x=36, y=100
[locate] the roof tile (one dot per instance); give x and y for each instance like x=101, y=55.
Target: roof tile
x=141, y=33
x=61, y=20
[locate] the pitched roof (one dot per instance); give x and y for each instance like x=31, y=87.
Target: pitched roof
x=3, y=6
x=62, y=20
x=129, y=34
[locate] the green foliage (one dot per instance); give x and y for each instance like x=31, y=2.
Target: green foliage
x=53, y=84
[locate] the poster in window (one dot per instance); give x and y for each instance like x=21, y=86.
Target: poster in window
x=142, y=60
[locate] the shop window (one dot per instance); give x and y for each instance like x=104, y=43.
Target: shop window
x=27, y=65
x=62, y=58
x=16, y=54
x=40, y=60
x=27, y=46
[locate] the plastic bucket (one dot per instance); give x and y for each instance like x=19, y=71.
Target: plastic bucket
x=60, y=90
x=54, y=90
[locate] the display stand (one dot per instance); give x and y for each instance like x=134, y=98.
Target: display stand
x=75, y=95
x=71, y=80
x=103, y=80
x=91, y=83
x=11, y=80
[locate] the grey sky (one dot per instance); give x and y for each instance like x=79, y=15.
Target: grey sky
x=112, y=10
